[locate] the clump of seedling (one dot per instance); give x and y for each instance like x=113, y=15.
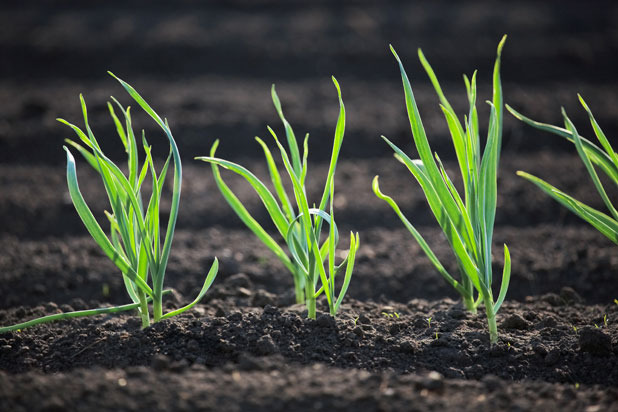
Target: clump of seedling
x=604, y=157
x=134, y=243
x=467, y=222
x=300, y=227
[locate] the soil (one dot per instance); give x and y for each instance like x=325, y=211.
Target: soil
x=402, y=340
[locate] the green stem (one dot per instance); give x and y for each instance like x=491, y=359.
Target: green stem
x=310, y=299
x=468, y=300
x=311, y=308
x=157, y=308
x=470, y=304
x=298, y=288
x=143, y=308
x=491, y=320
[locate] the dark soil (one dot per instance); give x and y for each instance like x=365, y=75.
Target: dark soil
x=401, y=341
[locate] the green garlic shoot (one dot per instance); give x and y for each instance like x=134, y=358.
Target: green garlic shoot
x=299, y=227
x=467, y=222
x=134, y=243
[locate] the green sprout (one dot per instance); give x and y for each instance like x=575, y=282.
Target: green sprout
x=603, y=157
x=301, y=227
x=428, y=322
x=467, y=223
x=134, y=244
x=605, y=320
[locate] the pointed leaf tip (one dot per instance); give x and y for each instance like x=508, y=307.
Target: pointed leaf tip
x=394, y=52
x=583, y=102
x=501, y=45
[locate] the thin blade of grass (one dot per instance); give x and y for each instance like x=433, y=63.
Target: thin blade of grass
x=95, y=230
x=354, y=245
x=449, y=227
x=602, y=222
x=264, y=194
x=599, y=133
x=593, y=174
x=299, y=192
x=506, y=278
x=419, y=238
x=337, y=141
x=289, y=133
x=424, y=151
x=596, y=154
x=212, y=274
x=275, y=177
x=82, y=136
x=245, y=216
x=119, y=126
x=488, y=189
x=89, y=157
x=173, y=215
x=497, y=90
x=457, y=136
x=332, y=244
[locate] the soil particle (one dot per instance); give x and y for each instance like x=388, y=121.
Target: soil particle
x=265, y=345
x=595, y=341
x=515, y=321
x=160, y=362
x=570, y=296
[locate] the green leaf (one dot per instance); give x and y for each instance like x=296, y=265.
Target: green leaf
x=92, y=161
x=266, y=197
x=119, y=127
x=289, y=133
x=420, y=240
x=95, y=230
x=506, y=278
x=212, y=274
x=596, y=154
x=275, y=177
x=243, y=214
x=599, y=133
x=450, y=228
x=588, y=164
x=497, y=92
x=354, y=245
x=337, y=142
x=603, y=223
x=299, y=192
x=424, y=151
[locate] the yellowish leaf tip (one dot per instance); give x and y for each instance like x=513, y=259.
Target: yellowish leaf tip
x=501, y=45
x=394, y=52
